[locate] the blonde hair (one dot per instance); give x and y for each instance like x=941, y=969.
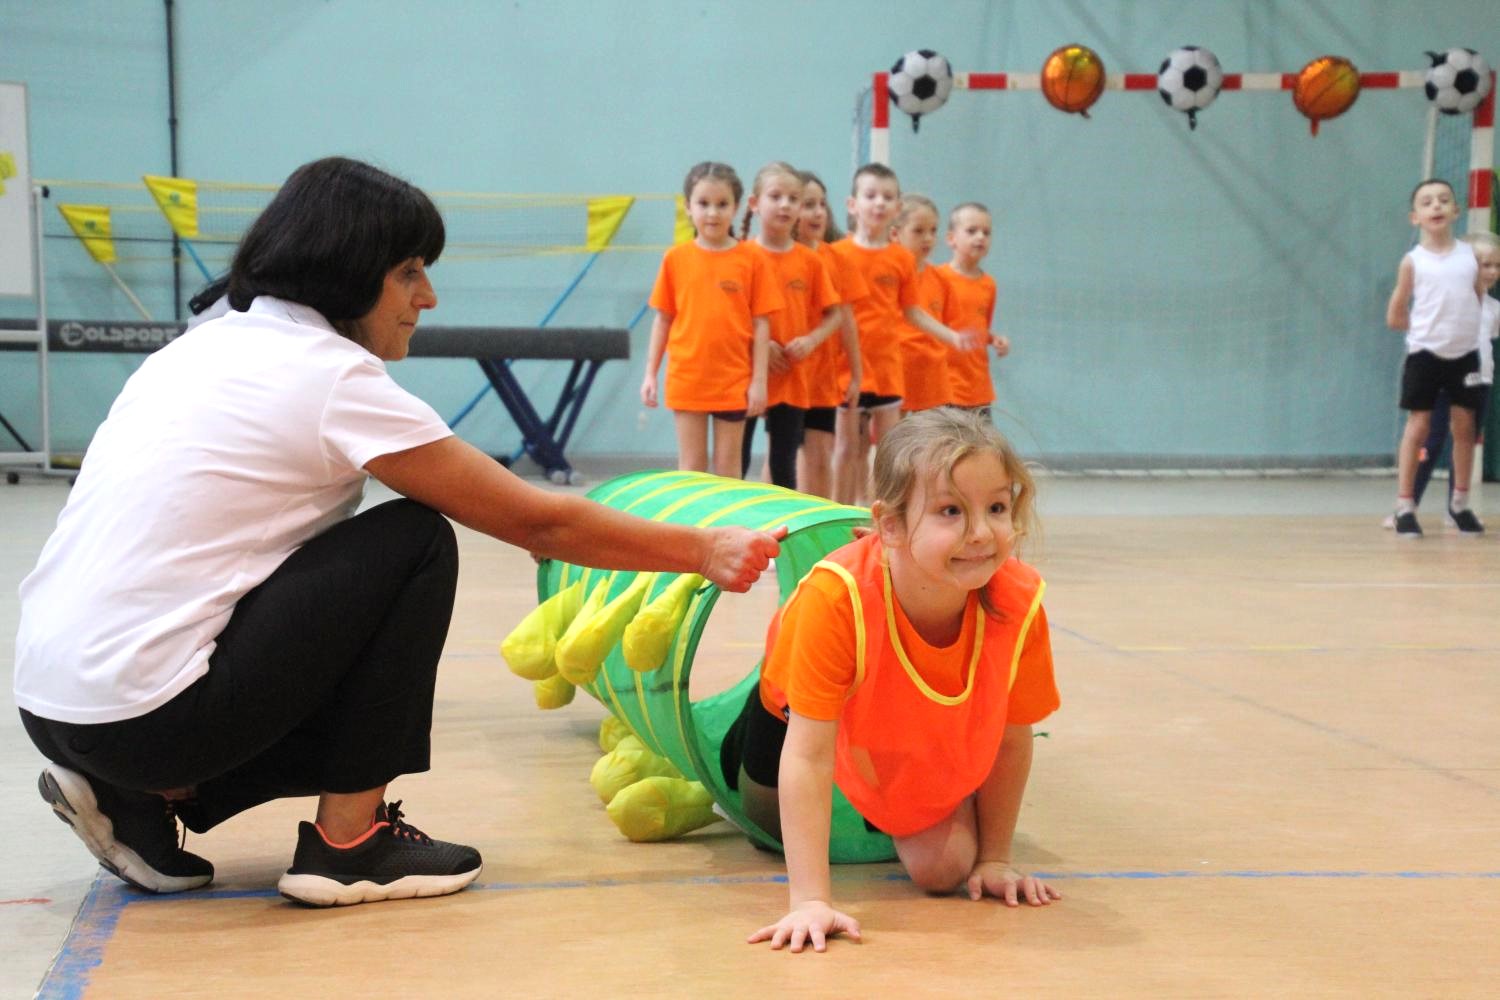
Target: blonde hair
x=910, y=203
x=928, y=444
x=1487, y=240
x=776, y=168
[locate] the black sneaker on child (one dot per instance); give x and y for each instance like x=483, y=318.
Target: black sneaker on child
x=1407, y=526
x=392, y=861
x=1465, y=521
x=133, y=834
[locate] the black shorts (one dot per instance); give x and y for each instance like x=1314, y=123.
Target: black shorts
x=874, y=401
x=1425, y=374
x=755, y=742
x=729, y=416
x=819, y=418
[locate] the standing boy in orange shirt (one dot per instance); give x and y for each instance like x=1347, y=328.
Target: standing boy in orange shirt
x=971, y=306
x=891, y=274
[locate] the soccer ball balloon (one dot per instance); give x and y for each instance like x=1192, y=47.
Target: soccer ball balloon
x=1189, y=80
x=919, y=83
x=1457, y=81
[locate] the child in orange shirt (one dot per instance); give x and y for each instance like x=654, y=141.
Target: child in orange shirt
x=907, y=668
x=811, y=313
x=833, y=370
x=924, y=358
x=891, y=274
x=971, y=304
x=713, y=297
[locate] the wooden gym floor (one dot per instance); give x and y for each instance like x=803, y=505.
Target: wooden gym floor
x=1275, y=773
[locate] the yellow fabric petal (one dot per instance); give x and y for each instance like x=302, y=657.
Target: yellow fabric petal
x=592, y=605
x=622, y=767
x=661, y=808
x=611, y=731
x=649, y=634
x=554, y=692
x=529, y=648
x=581, y=652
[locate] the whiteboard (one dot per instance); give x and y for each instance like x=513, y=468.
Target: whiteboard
x=16, y=219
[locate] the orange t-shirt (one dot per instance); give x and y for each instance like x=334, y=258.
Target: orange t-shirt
x=891, y=274
x=813, y=661
x=923, y=356
x=970, y=306
x=807, y=292
x=828, y=371
x=712, y=297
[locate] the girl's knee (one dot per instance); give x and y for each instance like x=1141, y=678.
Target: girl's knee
x=941, y=873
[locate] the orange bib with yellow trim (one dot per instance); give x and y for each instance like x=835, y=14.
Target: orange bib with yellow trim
x=907, y=755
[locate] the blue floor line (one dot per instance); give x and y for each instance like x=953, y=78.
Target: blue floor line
x=98, y=916
x=83, y=951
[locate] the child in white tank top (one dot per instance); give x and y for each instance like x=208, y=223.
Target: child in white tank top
x=1487, y=251
x=1436, y=303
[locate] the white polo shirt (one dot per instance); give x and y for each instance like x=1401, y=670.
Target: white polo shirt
x=225, y=452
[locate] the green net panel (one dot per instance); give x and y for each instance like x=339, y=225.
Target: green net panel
x=656, y=704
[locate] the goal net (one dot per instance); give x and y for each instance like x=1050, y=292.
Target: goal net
x=1187, y=299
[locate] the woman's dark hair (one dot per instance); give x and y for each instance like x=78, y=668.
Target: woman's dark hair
x=329, y=237
x=208, y=294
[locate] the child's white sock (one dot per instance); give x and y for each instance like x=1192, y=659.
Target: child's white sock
x=1405, y=505
x=1460, y=500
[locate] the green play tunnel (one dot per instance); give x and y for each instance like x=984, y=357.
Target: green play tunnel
x=656, y=704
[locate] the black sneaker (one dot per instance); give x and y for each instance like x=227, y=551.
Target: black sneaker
x=1407, y=526
x=1465, y=521
x=392, y=861
x=133, y=834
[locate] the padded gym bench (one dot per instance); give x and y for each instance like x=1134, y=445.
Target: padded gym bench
x=494, y=348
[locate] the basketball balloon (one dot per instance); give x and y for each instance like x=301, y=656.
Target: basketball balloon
x=1073, y=79
x=1325, y=88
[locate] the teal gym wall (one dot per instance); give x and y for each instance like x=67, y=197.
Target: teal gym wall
x=1173, y=296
